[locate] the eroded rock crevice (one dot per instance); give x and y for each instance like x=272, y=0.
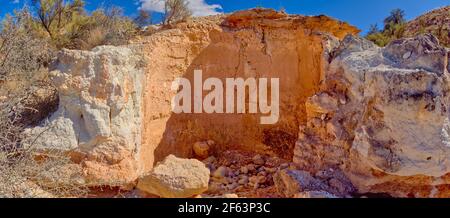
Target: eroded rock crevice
x=247, y=44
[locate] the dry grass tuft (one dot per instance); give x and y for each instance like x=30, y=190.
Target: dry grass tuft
x=28, y=172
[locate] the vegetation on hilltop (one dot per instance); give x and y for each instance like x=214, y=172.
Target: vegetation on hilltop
x=436, y=22
x=394, y=28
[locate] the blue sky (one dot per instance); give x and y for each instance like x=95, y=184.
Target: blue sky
x=360, y=13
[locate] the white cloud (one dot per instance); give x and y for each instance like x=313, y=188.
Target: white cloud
x=198, y=7
x=152, y=5
x=15, y=1
x=201, y=8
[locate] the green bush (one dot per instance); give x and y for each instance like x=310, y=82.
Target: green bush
x=378, y=38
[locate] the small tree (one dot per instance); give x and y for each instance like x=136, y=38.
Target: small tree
x=397, y=16
x=107, y=26
x=53, y=15
x=68, y=25
x=394, y=28
x=373, y=29
x=143, y=19
x=176, y=10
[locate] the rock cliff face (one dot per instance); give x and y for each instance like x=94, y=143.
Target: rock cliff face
x=374, y=117
x=246, y=44
x=98, y=121
x=382, y=117
x=176, y=178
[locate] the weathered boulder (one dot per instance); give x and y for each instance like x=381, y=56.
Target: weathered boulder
x=301, y=184
x=202, y=149
x=422, y=52
x=291, y=182
x=382, y=117
x=98, y=121
x=176, y=178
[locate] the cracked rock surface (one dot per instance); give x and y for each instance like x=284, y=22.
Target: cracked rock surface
x=382, y=116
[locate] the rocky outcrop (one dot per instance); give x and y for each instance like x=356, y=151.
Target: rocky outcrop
x=115, y=116
x=382, y=116
x=176, y=178
x=292, y=182
x=98, y=121
x=436, y=22
x=301, y=184
x=201, y=149
x=353, y=117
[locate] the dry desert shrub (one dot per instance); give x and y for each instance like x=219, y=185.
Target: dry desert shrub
x=22, y=54
x=26, y=97
x=175, y=11
x=394, y=28
x=105, y=27
x=25, y=171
